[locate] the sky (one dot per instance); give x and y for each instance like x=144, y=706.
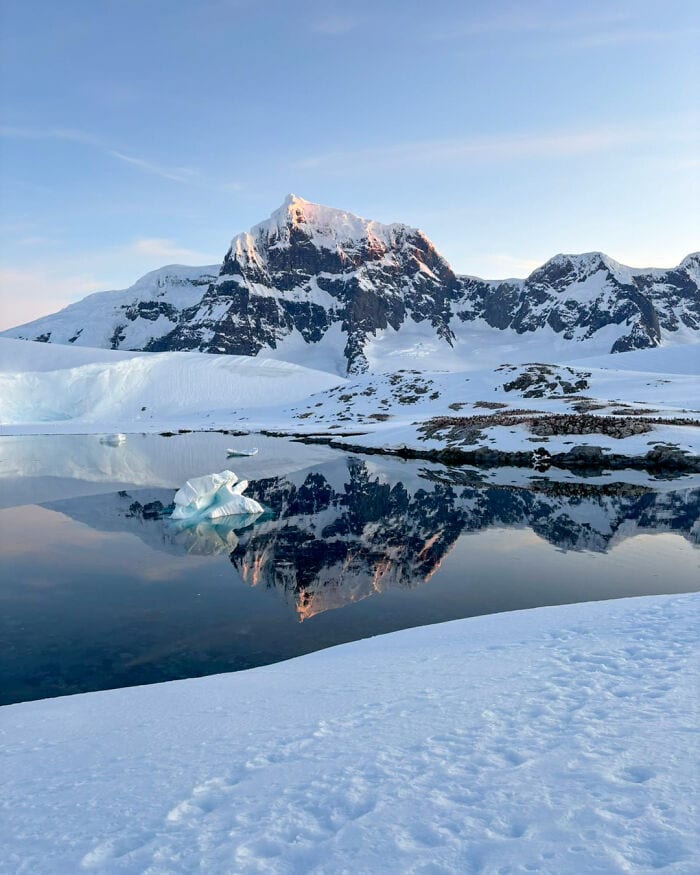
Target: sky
x=139, y=133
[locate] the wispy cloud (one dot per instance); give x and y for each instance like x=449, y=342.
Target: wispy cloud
x=501, y=266
x=28, y=293
x=571, y=28
x=177, y=174
x=495, y=148
x=623, y=36
x=692, y=163
x=231, y=186
x=528, y=19
x=17, y=132
x=181, y=175
x=36, y=240
x=161, y=247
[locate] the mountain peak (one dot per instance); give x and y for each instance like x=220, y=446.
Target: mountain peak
x=293, y=199
x=691, y=260
x=575, y=267
x=326, y=227
x=691, y=265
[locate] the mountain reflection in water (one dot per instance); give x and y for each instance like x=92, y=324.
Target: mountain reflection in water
x=346, y=531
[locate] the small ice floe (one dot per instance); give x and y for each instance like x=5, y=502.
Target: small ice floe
x=212, y=497
x=232, y=453
x=113, y=440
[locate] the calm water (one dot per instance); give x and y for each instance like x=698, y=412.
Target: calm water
x=99, y=589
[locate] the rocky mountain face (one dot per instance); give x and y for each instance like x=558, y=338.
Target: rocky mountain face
x=309, y=268
x=312, y=275
x=577, y=296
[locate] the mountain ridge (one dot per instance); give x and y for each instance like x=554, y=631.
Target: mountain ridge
x=312, y=276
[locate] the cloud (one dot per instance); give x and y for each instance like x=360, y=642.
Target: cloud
x=161, y=247
x=531, y=20
x=574, y=29
x=612, y=38
x=231, y=187
x=36, y=240
x=181, y=175
x=177, y=174
x=29, y=294
x=14, y=132
x=692, y=163
x=495, y=148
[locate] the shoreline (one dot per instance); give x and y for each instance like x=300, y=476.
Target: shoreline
x=293, y=766
x=580, y=459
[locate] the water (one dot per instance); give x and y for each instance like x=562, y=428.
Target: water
x=99, y=589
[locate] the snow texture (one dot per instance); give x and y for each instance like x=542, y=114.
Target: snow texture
x=212, y=497
x=81, y=390
x=52, y=388
x=558, y=740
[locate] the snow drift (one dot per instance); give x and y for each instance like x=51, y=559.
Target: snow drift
x=93, y=390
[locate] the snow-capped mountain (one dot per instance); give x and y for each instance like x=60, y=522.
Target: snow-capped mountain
x=578, y=296
x=313, y=283
x=308, y=269
x=130, y=319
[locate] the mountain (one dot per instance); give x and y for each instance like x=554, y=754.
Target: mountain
x=309, y=269
x=578, y=296
x=128, y=319
x=321, y=286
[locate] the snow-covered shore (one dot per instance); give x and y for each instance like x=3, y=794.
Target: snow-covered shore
x=554, y=740
x=624, y=407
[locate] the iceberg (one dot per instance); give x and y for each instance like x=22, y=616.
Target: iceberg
x=113, y=440
x=212, y=497
x=233, y=453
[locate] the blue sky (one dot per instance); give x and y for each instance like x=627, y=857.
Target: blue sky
x=138, y=133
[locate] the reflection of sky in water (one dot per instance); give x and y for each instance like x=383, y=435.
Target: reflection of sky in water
x=95, y=595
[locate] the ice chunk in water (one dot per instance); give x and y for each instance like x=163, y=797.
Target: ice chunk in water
x=213, y=496
x=113, y=440
x=236, y=505
x=199, y=490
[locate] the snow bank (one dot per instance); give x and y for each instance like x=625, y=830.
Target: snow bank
x=46, y=385
x=212, y=497
x=558, y=740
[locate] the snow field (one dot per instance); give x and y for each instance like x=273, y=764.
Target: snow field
x=554, y=740
x=140, y=391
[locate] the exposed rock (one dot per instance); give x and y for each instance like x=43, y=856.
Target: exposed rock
x=310, y=268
